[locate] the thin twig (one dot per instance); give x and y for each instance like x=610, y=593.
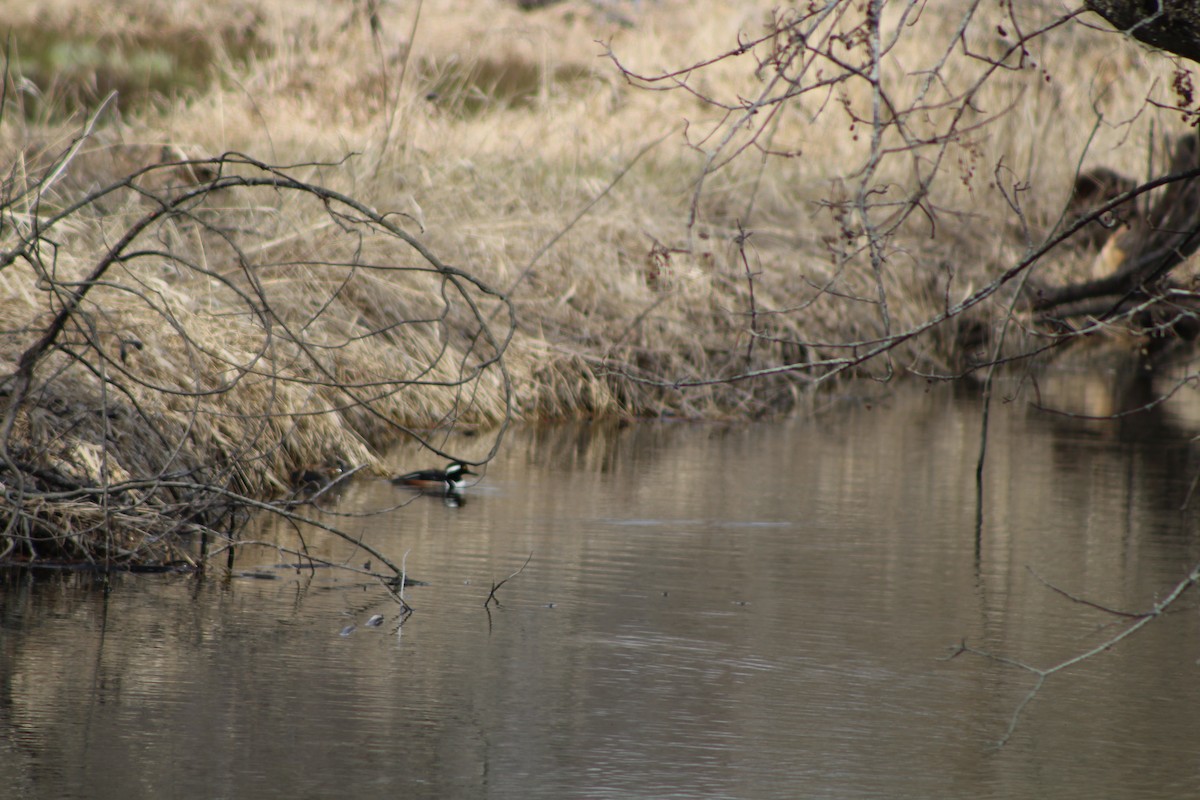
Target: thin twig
x=495, y=586
x=1042, y=674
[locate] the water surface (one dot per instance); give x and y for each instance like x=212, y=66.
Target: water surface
x=708, y=611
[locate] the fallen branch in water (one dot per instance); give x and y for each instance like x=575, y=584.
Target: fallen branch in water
x=496, y=586
x=1140, y=620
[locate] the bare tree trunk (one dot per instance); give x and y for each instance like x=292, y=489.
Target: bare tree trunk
x=1171, y=25
x=1148, y=251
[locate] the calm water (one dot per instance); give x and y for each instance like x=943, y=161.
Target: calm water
x=710, y=611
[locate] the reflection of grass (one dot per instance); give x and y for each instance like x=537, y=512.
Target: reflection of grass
x=67, y=68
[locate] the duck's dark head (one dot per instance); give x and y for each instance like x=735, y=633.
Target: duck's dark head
x=456, y=470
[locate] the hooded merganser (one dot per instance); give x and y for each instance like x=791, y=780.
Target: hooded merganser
x=448, y=480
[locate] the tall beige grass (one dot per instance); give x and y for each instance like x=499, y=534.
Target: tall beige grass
x=515, y=151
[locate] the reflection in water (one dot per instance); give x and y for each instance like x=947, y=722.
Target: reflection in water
x=707, y=611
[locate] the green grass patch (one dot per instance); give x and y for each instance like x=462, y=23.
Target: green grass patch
x=59, y=70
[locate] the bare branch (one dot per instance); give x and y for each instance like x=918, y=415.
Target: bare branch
x=1140, y=620
x=496, y=586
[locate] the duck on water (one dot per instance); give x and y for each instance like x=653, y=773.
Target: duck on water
x=438, y=481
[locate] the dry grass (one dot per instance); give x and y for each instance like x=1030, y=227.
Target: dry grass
x=520, y=156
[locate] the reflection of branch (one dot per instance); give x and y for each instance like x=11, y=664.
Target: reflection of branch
x=495, y=586
x=305, y=560
x=1083, y=601
x=1140, y=621
x=396, y=590
x=283, y=512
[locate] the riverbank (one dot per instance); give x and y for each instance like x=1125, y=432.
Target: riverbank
x=445, y=221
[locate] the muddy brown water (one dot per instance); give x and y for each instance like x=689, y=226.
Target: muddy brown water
x=710, y=611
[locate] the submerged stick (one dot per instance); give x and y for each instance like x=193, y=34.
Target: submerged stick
x=496, y=586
